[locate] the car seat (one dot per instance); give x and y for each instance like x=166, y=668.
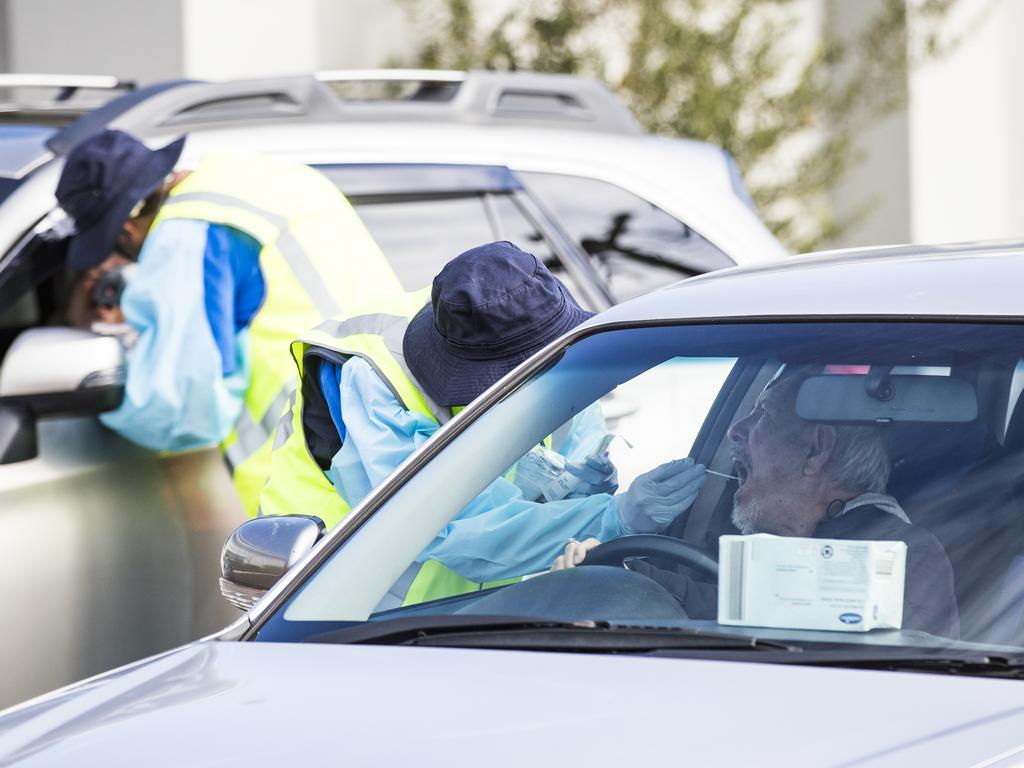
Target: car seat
x=976, y=510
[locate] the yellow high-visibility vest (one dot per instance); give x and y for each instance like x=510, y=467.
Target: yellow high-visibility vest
x=298, y=483
x=317, y=259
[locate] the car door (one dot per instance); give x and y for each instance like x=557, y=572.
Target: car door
x=111, y=550
x=423, y=215
x=633, y=244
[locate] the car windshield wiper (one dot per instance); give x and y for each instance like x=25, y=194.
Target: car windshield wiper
x=946, y=661
x=512, y=633
x=949, y=661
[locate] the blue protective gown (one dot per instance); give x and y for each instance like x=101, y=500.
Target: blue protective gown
x=499, y=534
x=191, y=299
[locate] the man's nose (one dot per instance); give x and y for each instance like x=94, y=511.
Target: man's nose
x=737, y=433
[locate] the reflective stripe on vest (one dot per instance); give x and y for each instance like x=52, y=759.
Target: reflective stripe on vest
x=391, y=328
x=317, y=259
x=297, y=484
x=292, y=251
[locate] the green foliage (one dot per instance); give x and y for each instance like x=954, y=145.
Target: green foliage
x=715, y=70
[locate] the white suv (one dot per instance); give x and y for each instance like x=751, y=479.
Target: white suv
x=120, y=544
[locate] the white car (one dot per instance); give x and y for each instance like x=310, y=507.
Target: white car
x=555, y=164
x=920, y=350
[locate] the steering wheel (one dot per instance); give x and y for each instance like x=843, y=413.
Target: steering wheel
x=617, y=551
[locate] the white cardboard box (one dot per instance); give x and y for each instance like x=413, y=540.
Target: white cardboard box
x=797, y=583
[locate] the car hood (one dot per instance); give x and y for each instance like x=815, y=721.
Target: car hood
x=252, y=704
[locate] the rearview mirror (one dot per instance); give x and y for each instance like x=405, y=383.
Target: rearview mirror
x=54, y=372
x=261, y=551
x=865, y=400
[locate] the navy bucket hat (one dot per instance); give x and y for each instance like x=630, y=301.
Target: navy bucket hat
x=103, y=178
x=490, y=309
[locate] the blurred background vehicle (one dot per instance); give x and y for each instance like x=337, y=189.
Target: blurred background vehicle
x=434, y=162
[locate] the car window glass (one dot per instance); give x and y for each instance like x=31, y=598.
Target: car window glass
x=513, y=225
x=419, y=237
x=31, y=287
x=899, y=410
x=635, y=244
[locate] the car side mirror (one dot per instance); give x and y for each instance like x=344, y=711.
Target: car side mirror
x=55, y=372
x=261, y=551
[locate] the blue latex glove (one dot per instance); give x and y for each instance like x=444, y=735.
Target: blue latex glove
x=597, y=474
x=659, y=496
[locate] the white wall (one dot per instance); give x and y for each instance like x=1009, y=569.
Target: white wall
x=139, y=39
x=356, y=34
x=966, y=128
x=880, y=179
x=248, y=38
x=208, y=39
x=4, y=45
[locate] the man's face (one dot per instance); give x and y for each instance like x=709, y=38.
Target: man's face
x=769, y=446
x=133, y=232
x=133, y=235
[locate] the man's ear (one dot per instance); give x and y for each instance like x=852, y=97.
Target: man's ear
x=823, y=443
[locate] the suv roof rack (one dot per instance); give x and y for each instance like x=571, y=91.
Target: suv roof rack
x=37, y=105
x=443, y=96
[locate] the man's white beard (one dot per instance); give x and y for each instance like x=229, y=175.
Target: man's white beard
x=744, y=517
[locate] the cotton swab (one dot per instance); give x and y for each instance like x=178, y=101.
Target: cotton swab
x=721, y=474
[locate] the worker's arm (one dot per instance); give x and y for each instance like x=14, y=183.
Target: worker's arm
x=379, y=434
x=499, y=534
x=188, y=371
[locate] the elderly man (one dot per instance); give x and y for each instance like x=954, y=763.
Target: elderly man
x=814, y=480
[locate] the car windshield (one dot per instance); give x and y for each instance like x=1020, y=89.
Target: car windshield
x=828, y=482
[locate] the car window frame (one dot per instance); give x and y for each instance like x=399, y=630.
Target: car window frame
x=684, y=271
x=739, y=396
x=735, y=391
x=596, y=292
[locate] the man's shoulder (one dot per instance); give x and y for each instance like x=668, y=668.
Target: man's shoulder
x=873, y=523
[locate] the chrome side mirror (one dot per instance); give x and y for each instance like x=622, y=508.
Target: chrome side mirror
x=261, y=551
x=55, y=372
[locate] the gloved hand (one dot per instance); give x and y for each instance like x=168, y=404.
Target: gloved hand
x=545, y=475
x=597, y=475
x=659, y=496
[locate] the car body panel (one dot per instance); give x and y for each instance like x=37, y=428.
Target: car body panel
x=93, y=577
x=688, y=179
x=225, y=704
x=856, y=283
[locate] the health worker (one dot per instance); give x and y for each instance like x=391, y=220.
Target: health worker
x=228, y=262
x=375, y=385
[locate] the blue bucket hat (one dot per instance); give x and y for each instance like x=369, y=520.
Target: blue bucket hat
x=103, y=178
x=490, y=309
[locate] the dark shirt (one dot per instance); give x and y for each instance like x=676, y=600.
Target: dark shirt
x=929, y=602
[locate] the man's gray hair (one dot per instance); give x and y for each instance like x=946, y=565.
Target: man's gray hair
x=860, y=459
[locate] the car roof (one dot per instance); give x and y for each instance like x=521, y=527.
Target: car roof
x=962, y=280
x=526, y=121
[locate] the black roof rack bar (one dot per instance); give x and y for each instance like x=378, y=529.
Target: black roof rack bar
x=390, y=75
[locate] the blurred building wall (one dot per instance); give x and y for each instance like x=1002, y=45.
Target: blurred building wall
x=966, y=124
x=4, y=65
x=133, y=39
x=876, y=193
x=946, y=168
